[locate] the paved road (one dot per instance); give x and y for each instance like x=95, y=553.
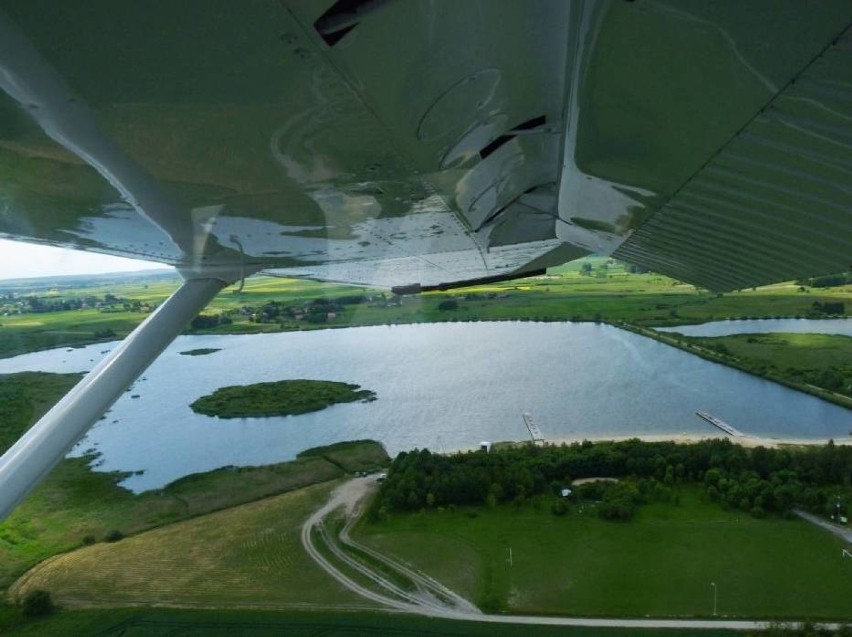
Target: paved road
x=435, y=600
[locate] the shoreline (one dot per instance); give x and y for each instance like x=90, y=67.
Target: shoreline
x=748, y=441
x=690, y=347
x=686, y=439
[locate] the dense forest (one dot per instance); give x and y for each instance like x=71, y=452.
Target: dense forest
x=759, y=481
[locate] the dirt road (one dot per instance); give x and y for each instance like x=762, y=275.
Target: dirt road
x=841, y=531
x=423, y=594
x=426, y=596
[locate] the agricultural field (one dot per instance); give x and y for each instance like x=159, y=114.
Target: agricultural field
x=31, y=331
x=594, y=288
x=249, y=555
x=659, y=564
x=607, y=290
x=152, y=622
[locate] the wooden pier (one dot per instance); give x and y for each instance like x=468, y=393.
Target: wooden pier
x=721, y=424
x=535, y=432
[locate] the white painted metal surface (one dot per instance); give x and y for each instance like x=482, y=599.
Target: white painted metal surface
x=431, y=142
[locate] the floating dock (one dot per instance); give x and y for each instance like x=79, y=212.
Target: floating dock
x=535, y=432
x=721, y=424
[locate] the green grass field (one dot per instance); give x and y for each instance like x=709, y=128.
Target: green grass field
x=152, y=622
x=659, y=565
x=32, y=332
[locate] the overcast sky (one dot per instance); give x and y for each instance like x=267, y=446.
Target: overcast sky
x=19, y=260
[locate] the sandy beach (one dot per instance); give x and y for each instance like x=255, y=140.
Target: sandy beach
x=684, y=438
x=745, y=441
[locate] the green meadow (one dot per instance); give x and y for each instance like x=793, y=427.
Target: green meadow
x=660, y=564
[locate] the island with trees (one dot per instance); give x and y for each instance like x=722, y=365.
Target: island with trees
x=280, y=398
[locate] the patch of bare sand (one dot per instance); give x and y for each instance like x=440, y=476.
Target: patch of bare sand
x=685, y=439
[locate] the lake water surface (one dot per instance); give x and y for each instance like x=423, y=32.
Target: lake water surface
x=843, y=327
x=443, y=386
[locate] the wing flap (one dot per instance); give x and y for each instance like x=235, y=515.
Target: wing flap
x=773, y=204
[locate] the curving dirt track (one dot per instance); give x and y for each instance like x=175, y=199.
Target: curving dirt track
x=427, y=597
x=430, y=597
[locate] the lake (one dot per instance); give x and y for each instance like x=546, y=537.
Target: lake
x=443, y=386
x=842, y=327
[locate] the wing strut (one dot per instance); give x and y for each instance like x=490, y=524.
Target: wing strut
x=47, y=442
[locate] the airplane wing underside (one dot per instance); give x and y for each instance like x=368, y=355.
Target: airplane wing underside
x=403, y=143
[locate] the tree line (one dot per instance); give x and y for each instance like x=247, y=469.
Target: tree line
x=759, y=481
x=42, y=305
